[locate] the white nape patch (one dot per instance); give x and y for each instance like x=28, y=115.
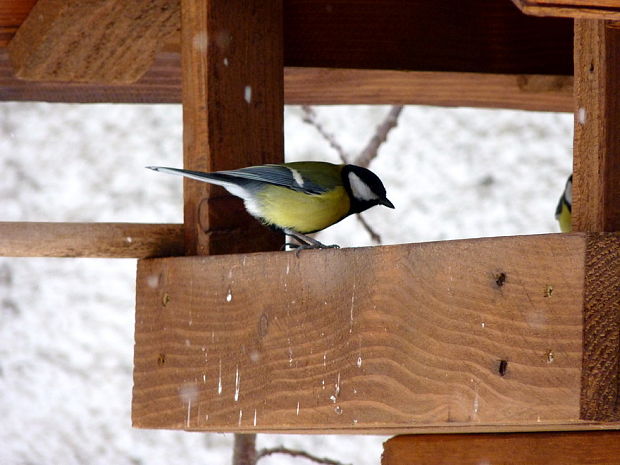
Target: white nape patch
x=298, y=178
x=569, y=192
x=360, y=189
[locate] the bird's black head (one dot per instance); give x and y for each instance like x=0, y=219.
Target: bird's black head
x=364, y=188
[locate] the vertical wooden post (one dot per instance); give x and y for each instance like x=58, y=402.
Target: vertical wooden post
x=233, y=110
x=233, y=101
x=596, y=208
x=596, y=188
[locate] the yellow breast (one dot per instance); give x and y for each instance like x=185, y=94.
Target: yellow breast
x=301, y=212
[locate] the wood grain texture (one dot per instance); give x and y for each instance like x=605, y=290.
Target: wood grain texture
x=574, y=448
x=307, y=86
x=233, y=115
x=12, y=15
x=104, y=240
x=601, y=334
x=318, y=86
x=398, y=338
x=452, y=35
x=111, y=41
x=582, y=9
x=596, y=178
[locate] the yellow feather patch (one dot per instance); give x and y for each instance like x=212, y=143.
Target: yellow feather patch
x=564, y=218
x=301, y=212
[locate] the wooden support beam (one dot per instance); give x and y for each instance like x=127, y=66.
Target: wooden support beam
x=582, y=9
x=451, y=35
x=111, y=41
x=377, y=340
x=101, y=240
x=321, y=86
x=233, y=115
x=574, y=448
x=596, y=179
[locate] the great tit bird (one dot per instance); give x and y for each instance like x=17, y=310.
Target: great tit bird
x=565, y=205
x=298, y=198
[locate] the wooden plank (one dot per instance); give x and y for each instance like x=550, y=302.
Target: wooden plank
x=467, y=36
x=233, y=115
x=383, y=339
x=103, y=240
x=111, y=41
x=601, y=332
x=576, y=448
x=596, y=160
x=160, y=84
x=321, y=86
x=582, y=9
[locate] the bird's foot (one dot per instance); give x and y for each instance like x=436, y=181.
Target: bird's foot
x=299, y=247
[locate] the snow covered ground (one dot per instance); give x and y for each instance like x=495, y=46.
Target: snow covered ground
x=66, y=325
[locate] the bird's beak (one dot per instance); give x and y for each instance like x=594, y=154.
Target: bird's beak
x=386, y=202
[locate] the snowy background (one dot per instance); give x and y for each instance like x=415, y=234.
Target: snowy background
x=66, y=325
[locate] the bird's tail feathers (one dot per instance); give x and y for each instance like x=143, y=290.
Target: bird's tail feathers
x=212, y=178
x=237, y=187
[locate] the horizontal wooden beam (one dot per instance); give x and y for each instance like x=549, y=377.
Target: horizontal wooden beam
x=452, y=35
x=569, y=448
x=322, y=86
x=112, y=41
x=482, y=334
x=103, y=240
x=579, y=9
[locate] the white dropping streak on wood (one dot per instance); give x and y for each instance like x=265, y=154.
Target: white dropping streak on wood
x=297, y=408
x=237, y=383
x=247, y=94
x=254, y=417
x=189, y=412
x=581, y=116
x=219, y=381
x=352, y=307
x=240, y=416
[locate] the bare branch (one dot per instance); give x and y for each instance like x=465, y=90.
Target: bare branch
x=380, y=136
x=244, y=449
x=374, y=235
x=311, y=119
x=297, y=453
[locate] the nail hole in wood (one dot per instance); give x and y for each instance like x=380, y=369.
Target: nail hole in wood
x=503, y=366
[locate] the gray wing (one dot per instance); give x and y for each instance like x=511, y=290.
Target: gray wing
x=279, y=175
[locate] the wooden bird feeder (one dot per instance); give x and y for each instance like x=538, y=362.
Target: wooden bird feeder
x=498, y=335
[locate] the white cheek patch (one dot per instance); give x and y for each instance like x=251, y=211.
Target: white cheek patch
x=360, y=189
x=297, y=177
x=569, y=192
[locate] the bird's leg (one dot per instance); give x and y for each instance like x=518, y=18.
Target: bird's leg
x=307, y=242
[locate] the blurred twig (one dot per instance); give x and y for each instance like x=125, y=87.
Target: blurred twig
x=374, y=235
x=380, y=136
x=364, y=158
x=297, y=453
x=311, y=119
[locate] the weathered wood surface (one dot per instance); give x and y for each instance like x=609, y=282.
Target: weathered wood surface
x=596, y=207
x=467, y=36
x=582, y=9
x=233, y=115
x=112, y=41
x=104, y=240
x=316, y=86
x=573, y=448
x=596, y=178
x=385, y=339
x=309, y=86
